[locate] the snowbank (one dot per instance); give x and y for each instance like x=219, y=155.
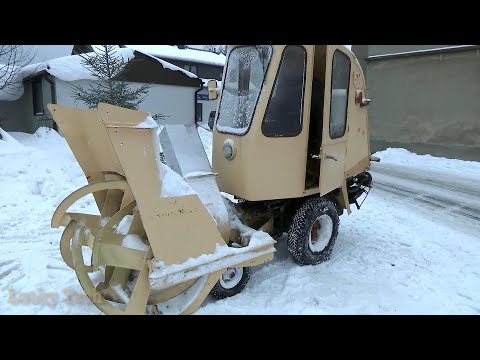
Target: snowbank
x=406, y=158
x=8, y=143
x=173, y=184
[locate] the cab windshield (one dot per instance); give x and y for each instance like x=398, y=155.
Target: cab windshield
x=246, y=69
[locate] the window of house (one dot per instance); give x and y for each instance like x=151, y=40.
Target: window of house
x=285, y=108
x=339, y=98
x=37, y=97
x=199, y=111
x=190, y=67
x=210, y=71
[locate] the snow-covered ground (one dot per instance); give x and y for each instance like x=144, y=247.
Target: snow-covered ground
x=413, y=247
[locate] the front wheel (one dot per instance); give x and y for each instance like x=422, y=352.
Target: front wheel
x=313, y=232
x=232, y=282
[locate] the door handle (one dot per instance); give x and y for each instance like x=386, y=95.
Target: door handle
x=331, y=157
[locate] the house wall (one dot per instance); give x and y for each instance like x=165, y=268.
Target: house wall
x=13, y=114
x=18, y=115
x=176, y=102
x=29, y=121
x=428, y=100
x=427, y=103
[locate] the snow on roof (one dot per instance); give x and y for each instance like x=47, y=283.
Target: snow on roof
x=70, y=68
x=169, y=66
x=67, y=68
x=172, y=52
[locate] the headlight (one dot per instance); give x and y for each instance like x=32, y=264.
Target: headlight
x=228, y=149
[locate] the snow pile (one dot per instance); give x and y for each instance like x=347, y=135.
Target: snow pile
x=180, y=303
x=404, y=157
x=169, y=66
x=175, y=271
x=124, y=225
x=7, y=138
x=173, y=184
x=148, y=123
x=121, y=293
x=35, y=176
x=8, y=144
x=46, y=163
x=135, y=242
x=256, y=237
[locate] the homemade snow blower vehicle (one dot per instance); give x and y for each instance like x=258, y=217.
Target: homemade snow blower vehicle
x=290, y=144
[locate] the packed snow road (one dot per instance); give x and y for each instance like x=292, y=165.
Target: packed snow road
x=413, y=247
x=447, y=198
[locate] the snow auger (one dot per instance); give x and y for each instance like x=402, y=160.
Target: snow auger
x=154, y=245
x=290, y=145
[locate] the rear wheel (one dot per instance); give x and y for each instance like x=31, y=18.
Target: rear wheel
x=232, y=282
x=313, y=231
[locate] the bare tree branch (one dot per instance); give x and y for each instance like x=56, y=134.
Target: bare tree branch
x=222, y=49
x=12, y=59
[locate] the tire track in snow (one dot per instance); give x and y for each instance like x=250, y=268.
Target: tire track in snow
x=10, y=273
x=435, y=193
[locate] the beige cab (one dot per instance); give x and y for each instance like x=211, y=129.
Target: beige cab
x=291, y=130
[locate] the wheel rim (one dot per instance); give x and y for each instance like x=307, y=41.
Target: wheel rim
x=231, y=277
x=320, y=233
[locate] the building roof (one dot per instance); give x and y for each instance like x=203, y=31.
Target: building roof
x=174, y=53
x=70, y=68
x=144, y=68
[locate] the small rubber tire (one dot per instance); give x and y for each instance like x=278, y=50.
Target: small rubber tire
x=219, y=291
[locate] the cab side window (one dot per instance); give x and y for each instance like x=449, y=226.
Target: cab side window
x=285, y=108
x=339, y=97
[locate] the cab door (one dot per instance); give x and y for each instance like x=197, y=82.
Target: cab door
x=335, y=126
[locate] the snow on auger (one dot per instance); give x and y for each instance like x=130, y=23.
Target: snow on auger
x=290, y=143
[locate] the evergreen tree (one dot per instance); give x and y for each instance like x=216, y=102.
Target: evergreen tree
x=104, y=66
